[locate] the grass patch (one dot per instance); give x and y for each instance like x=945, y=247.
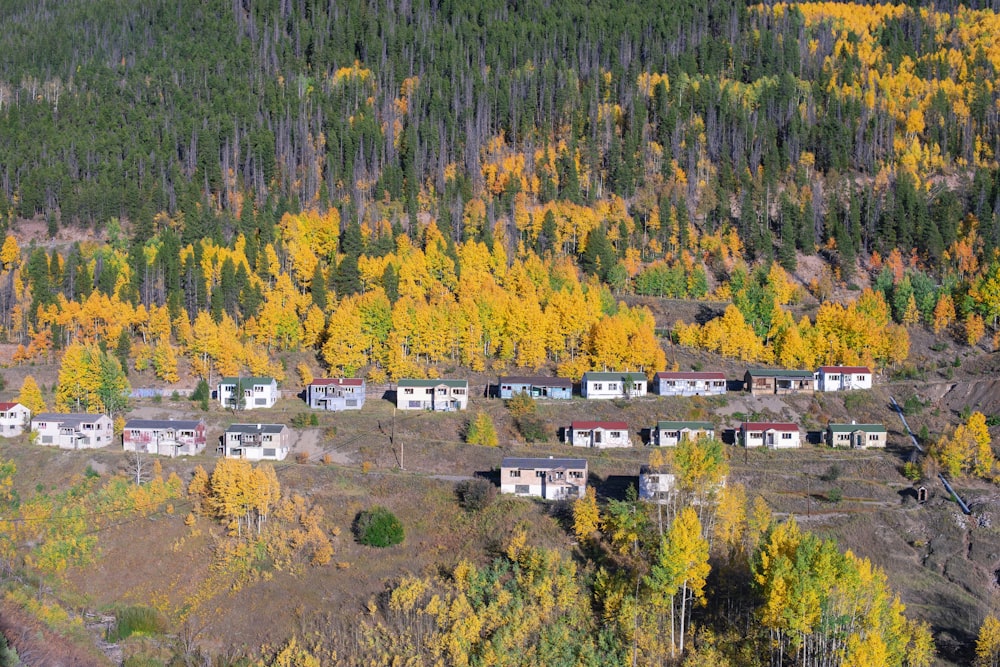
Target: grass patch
x=137, y=620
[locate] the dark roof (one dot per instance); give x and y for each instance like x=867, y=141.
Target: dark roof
x=162, y=423
x=845, y=369
x=701, y=426
x=851, y=428
x=66, y=418
x=769, y=426
x=779, y=373
x=690, y=375
x=341, y=382
x=621, y=426
x=255, y=428
x=537, y=381
x=413, y=382
x=516, y=462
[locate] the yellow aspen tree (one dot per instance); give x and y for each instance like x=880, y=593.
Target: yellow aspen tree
x=586, y=517
x=988, y=643
x=944, y=312
x=912, y=314
x=30, y=396
x=165, y=361
x=10, y=253
x=975, y=329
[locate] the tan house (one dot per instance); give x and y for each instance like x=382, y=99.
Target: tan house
x=256, y=442
x=551, y=478
x=856, y=436
x=761, y=381
x=166, y=437
x=436, y=395
x=72, y=430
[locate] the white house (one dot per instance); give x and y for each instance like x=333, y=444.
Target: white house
x=654, y=485
x=551, y=478
x=613, y=385
x=14, y=418
x=248, y=393
x=843, y=378
x=256, y=442
x=772, y=435
x=669, y=433
x=678, y=383
x=437, y=395
x=73, y=430
x=598, y=434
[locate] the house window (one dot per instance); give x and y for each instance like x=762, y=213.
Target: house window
x=860, y=378
x=134, y=433
x=786, y=436
x=458, y=392
x=598, y=386
x=270, y=453
x=612, y=386
x=522, y=489
x=407, y=391
x=872, y=436
x=539, y=473
x=719, y=383
x=671, y=383
x=843, y=436
x=514, y=473
x=260, y=401
x=757, y=436
x=616, y=434
x=576, y=474
x=352, y=402
x=673, y=434
x=692, y=383
x=259, y=388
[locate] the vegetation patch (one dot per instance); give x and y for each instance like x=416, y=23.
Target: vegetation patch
x=378, y=527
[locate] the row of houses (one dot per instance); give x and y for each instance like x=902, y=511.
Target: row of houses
x=336, y=394
x=773, y=435
x=566, y=478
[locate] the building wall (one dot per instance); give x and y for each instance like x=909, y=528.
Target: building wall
x=603, y=389
x=683, y=388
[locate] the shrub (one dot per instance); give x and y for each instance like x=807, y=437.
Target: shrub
x=313, y=419
x=832, y=473
x=521, y=404
x=300, y=420
x=137, y=620
x=475, y=495
x=378, y=527
x=532, y=429
x=834, y=495
x=912, y=471
x=175, y=395
x=302, y=457
x=201, y=392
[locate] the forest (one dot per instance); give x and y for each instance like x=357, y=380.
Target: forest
x=407, y=188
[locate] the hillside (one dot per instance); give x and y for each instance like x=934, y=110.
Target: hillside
x=425, y=189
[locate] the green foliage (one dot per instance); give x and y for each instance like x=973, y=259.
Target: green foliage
x=8, y=654
x=832, y=473
x=378, y=527
x=475, y=495
x=522, y=404
x=532, y=429
x=201, y=391
x=137, y=620
x=912, y=471
x=834, y=495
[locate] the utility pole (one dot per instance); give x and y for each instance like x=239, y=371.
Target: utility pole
x=392, y=438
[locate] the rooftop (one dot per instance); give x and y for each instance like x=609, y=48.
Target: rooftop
x=163, y=423
x=584, y=425
x=516, y=462
x=690, y=375
x=537, y=381
x=769, y=426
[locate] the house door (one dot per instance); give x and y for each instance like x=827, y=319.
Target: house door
x=770, y=440
x=597, y=437
x=859, y=440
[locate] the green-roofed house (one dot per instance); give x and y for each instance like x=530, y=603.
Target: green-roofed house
x=437, y=395
x=248, y=393
x=623, y=384
x=669, y=434
x=779, y=381
x=856, y=436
